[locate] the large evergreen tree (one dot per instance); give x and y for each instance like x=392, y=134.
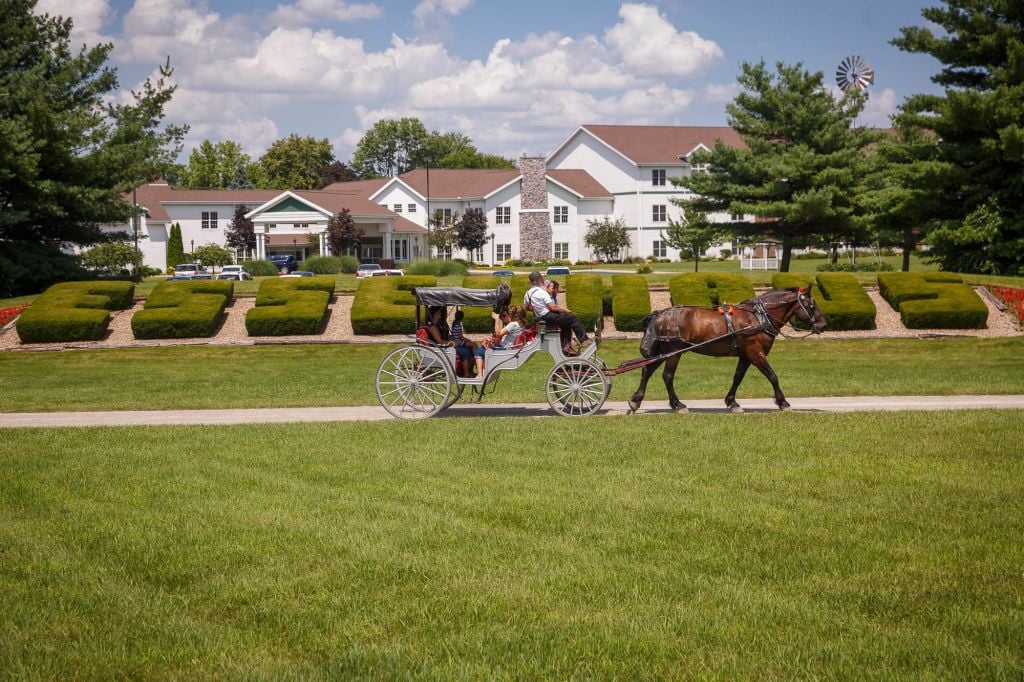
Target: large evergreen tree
x=977, y=131
x=67, y=155
x=800, y=169
x=175, y=246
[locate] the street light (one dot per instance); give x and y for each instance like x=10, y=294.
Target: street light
x=428, y=210
x=492, y=250
x=192, y=242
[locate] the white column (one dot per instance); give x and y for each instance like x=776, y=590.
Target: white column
x=389, y=241
x=261, y=247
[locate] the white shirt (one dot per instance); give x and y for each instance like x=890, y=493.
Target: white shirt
x=537, y=299
x=513, y=329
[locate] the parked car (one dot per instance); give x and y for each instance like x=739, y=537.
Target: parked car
x=560, y=270
x=236, y=276
x=202, y=275
x=229, y=269
x=188, y=269
x=283, y=263
x=388, y=273
x=503, y=273
x=178, y=278
x=366, y=269
x=300, y=273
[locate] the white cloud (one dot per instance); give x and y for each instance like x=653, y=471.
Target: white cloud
x=880, y=106
x=88, y=19
x=647, y=41
x=431, y=16
x=154, y=29
x=721, y=92
x=311, y=11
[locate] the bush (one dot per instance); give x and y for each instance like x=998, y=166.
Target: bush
x=478, y=320
x=323, y=265
x=862, y=266
x=183, y=310
x=437, y=268
x=385, y=305
x=643, y=269
x=631, y=302
x=146, y=271
x=709, y=289
x=74, y=311
x=349, y=264
x=933, y=300
x=260, y=268
x=844, y=303
x=584, y=296
x=290, y=306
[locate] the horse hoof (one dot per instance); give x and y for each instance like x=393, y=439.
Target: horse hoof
x=735, y=409
x=682, y=409
x=785, y=408
x=632, y=407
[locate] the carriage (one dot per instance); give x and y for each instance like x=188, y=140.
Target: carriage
x=418, y=380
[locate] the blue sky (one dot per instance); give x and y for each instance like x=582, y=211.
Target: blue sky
x=517, y=77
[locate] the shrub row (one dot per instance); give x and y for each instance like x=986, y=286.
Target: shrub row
x=840, y=296
x=260, y=268
x=478, y=320
x=709, y=289
x=74, y=311
x=290, y=306
x=631, y=302
x=584, y=295
x=933, y=300
x=183, y=310
x=385, y=305
x=331, y=265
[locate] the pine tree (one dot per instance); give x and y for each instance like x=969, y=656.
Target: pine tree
x=175, y=247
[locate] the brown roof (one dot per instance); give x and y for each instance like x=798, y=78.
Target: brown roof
x=357, y=202
x=662, y=144
x=581, y=182
x=459, y=183
x=153, y=195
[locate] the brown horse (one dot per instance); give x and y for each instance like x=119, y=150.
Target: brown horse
x=746, y=330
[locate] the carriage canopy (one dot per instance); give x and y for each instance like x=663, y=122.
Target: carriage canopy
x=460, y=296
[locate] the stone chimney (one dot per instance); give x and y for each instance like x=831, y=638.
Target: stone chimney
x=534, y=219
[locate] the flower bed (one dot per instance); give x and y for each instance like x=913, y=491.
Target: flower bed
x=8, y=314
x=1013, y=298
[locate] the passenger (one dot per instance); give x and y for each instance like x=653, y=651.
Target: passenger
x=539, y=300
x=552, y=288
x=507, y=328
x=464, y=348
x=437, y=326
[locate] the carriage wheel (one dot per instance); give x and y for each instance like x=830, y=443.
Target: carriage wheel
x=414, y=382
x=576, y=388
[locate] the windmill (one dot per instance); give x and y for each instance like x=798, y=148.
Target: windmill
x=853, y=73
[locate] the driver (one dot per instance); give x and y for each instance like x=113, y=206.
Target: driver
x=539, y=301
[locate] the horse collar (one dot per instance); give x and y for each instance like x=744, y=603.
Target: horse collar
x=767, y=325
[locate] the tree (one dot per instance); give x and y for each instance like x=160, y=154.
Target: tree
x=471, y=231
x=111, y=256
x=213, y=255
x=693, y=234
x=68, y=153
x=292, y=163
x=443, y=236
x=342, y=232
x=802, y=163
x=390, y=148
x=606, y=237
x=471, y=158
x=220, y=165
x=175, y=247
x=976, y=125
x=240, y=233
x=335, y=172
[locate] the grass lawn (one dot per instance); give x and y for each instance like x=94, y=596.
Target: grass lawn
x=778, y=545
x=344, y=374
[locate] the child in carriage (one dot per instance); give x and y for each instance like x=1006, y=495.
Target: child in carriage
x=464, y=348
x=507, y=328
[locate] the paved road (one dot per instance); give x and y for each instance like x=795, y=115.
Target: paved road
x=371, y=413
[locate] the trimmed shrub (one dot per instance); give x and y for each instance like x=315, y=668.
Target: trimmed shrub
x=844, y=303
x=349, y=264
x=933, y=300
x=584, y=296
x=709, y=289
x=74, y=311
x=290, y=306
x=323, y=265
x=437, y=268
x=260, y=268
x=478, y=320
x=385, y=305
x=631, y=302
x=183, y=310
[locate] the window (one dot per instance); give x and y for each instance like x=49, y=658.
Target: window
x=659, y=213
x=736, y=217
x=412, y=208
x=478, y=255
x=397, y=208
x=658, y=177
x=271, y=226
x=701, y=167
x=561, y=214
x=503, y=215
x=444, y=253
x=659, y=249
x=446, y=215
x=209, y=220
x=300, y=224
x=561, y=250
x=503, y=251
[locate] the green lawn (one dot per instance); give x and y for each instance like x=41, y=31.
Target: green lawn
x=871, y=546
x=344, y=374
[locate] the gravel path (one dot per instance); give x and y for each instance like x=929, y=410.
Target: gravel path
x=338, y=329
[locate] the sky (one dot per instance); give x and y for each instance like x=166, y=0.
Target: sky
x=518, y=77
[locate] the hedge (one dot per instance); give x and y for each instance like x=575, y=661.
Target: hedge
x=933, y=300
x=844, y=303
x=385, y=305
x=631, y=302
x=290, y=306
x=74, y=311
x=478, y=320
x=183, y=310
x=709, y=289
x=323, y=265
x=584, y=296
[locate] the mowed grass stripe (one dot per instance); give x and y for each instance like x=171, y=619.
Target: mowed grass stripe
x=319, y=375
x=867, y=545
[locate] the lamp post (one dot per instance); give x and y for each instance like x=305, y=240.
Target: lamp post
x=192, y=246
x=428, y=210
x=492, y=250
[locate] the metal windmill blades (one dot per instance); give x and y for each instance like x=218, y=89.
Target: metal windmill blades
x=854, y=73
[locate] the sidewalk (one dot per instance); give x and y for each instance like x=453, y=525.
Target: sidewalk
x=375, y=413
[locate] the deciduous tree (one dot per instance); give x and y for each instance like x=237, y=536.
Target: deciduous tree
x=607, y=238
x=111, y=256
x=471, y=230
x=335, y=171
x=217, y=165
x=293, y=163
x=391, y=147
x=693, y=234
x=342, y=232
x=240, y=232
x=213, y=255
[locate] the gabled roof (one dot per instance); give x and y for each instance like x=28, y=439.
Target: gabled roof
x=650, y=145
x=580, y=182
x=459, y=183
x=152, y=196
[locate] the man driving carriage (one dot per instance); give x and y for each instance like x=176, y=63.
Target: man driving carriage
x=539, y=301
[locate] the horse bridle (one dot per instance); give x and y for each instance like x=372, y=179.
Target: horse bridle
x=768, y=323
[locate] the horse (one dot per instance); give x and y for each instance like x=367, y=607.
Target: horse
x=746, y=330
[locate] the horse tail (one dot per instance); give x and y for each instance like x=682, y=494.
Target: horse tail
x=650, y=341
